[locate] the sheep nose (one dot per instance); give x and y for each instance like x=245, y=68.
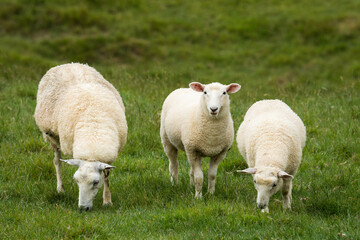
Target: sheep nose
x=261, y=205
x=86, y=208
x=214, y=109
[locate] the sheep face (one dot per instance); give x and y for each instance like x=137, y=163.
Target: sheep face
x=267, y=182
x=215, y=95
x=90, y=178
x=266, y=185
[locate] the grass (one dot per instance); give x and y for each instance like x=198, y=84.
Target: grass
x=303, y=52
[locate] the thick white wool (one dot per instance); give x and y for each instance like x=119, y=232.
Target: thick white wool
x=188, y=126
x=272, y=135
x=77, y=106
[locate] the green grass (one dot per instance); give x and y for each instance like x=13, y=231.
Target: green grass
x=303, y=52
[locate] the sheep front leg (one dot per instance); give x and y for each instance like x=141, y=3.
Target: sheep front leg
x=106, y=194
x=57, y=164
x=214, y=163
x=196, y=174
x=286, y=193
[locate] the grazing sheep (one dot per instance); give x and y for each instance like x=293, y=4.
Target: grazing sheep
x=198, y=121
x=271, y=139
x=82, y=114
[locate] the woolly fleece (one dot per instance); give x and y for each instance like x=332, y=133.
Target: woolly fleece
x=188, y=126
x=272, y=135
x=82, y=111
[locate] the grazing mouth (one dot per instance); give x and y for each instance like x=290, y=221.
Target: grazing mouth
x=213, y=113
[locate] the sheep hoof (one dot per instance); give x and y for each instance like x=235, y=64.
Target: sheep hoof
x=287, y=203
x=60, y=189
x=198, y=195
x=107, y=203
x=174, y=181
x=287, y=207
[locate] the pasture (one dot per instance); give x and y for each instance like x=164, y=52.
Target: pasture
x=306, y=53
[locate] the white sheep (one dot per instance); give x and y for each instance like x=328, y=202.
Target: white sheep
x=198, y=121
x=82, y=114
x=271, y=139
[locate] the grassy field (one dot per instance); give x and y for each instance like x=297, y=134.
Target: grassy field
x=306, y=53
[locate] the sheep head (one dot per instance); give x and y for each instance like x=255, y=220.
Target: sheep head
x=267, y=181
x=215, y=95
x=90, y=178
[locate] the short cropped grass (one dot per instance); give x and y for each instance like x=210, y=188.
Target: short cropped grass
x=305, y=53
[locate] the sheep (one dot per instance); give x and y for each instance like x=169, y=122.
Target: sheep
x=198, y=121
x=82, y=114
x=271, y=139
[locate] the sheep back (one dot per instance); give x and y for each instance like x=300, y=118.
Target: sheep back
x=86, y=112
x=270, y=127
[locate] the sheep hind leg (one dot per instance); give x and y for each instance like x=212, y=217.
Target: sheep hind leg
x=173, y=164
x=107, y=193
x=286, y=194
x=191, y=174
x=57, y=164
x=214, y=163
x=172, y=154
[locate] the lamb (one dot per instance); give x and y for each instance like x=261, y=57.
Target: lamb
x=198, y=121
x=271, y=139
x=82, y=114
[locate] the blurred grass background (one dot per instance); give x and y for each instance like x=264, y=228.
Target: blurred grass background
x=303, y=52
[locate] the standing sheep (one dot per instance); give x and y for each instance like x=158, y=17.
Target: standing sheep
x=198, y=121
x=82, y=114
x=271, y=139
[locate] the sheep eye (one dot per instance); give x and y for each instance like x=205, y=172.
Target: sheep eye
x=224, y=93
x=274, y=185
x=254, y=181
x=205, y=92
x=95, y=182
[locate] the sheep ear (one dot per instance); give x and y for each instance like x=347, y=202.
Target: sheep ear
x=102, y=166
x=284, y=175
x=233, y=88
x=196, y=86
x=74, y=162
x=248, y=171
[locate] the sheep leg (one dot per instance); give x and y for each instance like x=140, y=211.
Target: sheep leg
x=172, y=154
x=57, y=164
x=191, y=174
x=106, y=194
x=214, y=163
x=286, y=193
x=196, y=174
